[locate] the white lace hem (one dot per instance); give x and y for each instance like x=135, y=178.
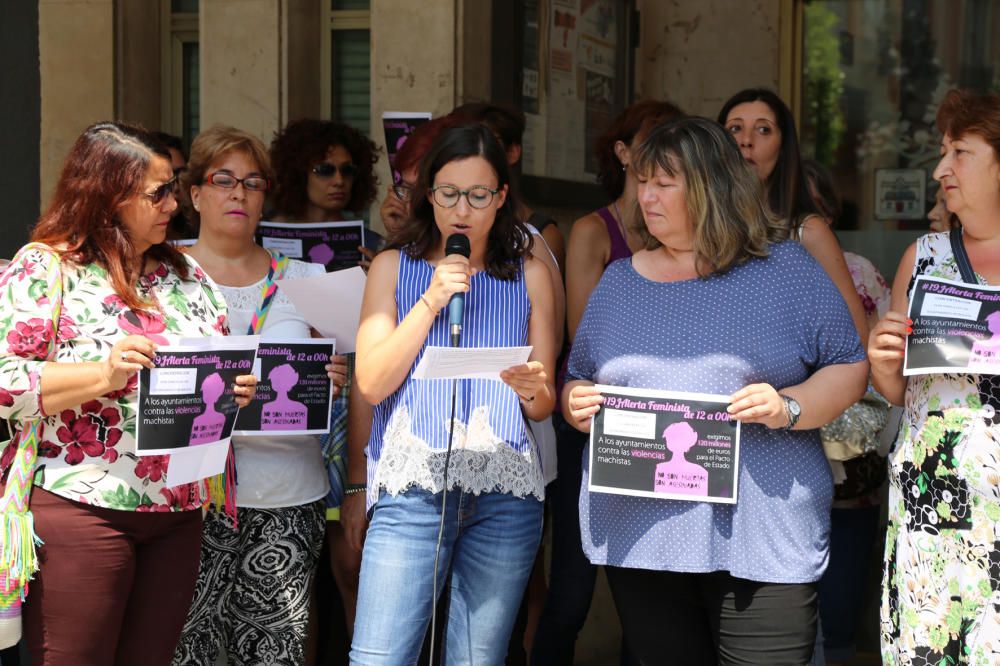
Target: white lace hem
x=480, y=461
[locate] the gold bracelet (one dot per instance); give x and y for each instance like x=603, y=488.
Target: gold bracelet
x=429, y=307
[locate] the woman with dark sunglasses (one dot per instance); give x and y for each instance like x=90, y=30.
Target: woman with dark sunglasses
x=324, y=169
x=325, y=173
x=84, y=307
x=255, y=582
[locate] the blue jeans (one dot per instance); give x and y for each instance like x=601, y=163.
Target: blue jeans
x=487, y=553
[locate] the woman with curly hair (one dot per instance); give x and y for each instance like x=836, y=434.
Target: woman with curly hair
x=325, y=173
x=323, y=168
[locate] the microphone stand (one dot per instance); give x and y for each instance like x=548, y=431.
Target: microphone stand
x=456, y=332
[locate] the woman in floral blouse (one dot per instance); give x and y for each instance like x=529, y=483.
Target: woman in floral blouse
x=120, y=554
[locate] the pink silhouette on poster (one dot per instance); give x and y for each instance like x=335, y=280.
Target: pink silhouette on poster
x=321, y=254
x=283, y=413
x=987, y=351
x=677, y=476
x=208, y=425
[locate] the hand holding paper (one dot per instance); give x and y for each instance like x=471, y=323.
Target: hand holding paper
x=527, y=379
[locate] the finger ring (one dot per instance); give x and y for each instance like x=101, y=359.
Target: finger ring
x=125, y=356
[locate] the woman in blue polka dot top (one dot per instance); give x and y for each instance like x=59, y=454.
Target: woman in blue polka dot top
x=719, y=301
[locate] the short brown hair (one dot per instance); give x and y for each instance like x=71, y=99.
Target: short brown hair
x=969, y=112
x=732, y=222
x=209, y=146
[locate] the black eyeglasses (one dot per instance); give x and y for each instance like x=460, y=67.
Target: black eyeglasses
x=326, y=170
x=228, y=181
x=447, y=196
x=402, y=191
x=160, y=193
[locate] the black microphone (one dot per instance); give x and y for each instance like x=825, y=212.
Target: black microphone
x=457, y=244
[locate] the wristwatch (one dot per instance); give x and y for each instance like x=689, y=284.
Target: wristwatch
x=792, y=409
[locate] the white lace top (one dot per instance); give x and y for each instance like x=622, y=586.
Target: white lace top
x=491, y=451
x=274, y=472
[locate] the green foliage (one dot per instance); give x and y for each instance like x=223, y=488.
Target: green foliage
x=823, y=84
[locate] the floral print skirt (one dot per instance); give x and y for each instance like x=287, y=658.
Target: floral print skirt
x=941, y=584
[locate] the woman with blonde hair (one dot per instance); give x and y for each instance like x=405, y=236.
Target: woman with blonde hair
x=716, y=304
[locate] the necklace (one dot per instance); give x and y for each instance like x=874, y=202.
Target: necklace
x=621, y=221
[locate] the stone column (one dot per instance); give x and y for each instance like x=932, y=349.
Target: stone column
x=76, y=44
x=254, y=57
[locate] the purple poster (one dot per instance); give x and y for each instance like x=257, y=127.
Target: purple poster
x=293, y=393
x=398, y=126
x=332, y=244
x=666, y=445
x=956, y=328
x=187, y=399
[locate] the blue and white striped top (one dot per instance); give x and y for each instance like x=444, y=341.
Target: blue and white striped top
x=491, y=450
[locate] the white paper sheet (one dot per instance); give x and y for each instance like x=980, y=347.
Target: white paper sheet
x=469, y=362
x=331, y=303
x=197, y=462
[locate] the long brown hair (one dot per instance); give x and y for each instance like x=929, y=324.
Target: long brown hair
x=105, y=169
x=509, y=240
x=787, y=190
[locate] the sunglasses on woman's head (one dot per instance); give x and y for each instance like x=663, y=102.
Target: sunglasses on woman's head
x=327, y=170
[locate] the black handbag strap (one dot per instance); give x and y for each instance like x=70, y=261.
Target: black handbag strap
x=962, y=257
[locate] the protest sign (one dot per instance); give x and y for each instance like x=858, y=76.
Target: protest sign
x=398, y=126
x=664, y=444
x=332, y=244
x=956, y=328
x=293, y=391
x=188, y=399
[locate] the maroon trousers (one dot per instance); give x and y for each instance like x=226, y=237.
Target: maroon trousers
x=114, y=587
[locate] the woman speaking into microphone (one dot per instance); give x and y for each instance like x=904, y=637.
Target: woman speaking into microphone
x=435, y=449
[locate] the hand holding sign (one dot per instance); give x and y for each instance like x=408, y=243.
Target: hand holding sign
x=887, y=343
x=582, y=402
x=128, y=356
x=758, y=403
x=336, y=370
x=244, y=388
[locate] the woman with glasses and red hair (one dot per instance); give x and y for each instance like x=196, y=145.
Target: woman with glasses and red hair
x=85, y=305
x=255, y=581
